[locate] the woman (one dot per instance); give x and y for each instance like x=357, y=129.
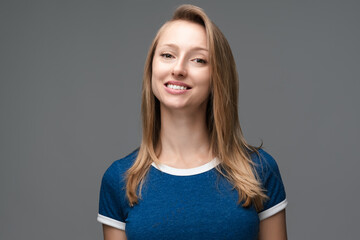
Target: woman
x=194, y=176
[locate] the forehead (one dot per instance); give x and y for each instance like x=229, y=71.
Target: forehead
x=183, y=33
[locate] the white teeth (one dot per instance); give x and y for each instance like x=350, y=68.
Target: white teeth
x=176, y=87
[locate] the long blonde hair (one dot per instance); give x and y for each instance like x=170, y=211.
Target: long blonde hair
x=226, y=139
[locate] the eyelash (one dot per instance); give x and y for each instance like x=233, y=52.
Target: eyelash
x=166, y=55
x=197, y=60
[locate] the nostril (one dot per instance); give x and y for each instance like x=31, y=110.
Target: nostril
x=178, y=73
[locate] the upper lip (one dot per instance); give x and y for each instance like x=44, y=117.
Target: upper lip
x=178, y=84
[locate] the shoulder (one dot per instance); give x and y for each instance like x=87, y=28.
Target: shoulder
x=263, y=158
x=112, y=199
x=117, y=170
x=269, y=175
x=268, y=172
x=123, y=163
x=264, y=162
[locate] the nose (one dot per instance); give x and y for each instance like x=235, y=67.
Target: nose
x=179, y=69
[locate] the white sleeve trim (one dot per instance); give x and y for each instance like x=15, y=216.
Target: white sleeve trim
x=111, y=222
x=273, y=210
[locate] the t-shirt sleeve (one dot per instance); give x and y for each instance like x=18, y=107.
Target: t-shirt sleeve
x=271, y=180
x=111, y=195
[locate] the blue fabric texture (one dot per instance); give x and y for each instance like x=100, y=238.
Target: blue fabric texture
x=199, y=206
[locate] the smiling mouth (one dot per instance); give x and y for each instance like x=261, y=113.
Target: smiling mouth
x=177, y=87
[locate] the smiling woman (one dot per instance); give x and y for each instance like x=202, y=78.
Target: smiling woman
x=180, y=72
x=194, y=175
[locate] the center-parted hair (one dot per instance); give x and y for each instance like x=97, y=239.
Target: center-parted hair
x=226, y=139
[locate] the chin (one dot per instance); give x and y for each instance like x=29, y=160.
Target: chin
x=175, y=106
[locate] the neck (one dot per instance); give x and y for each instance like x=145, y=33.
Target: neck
x=184, y=139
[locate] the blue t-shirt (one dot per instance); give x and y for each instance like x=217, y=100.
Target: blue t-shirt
x=196, y=203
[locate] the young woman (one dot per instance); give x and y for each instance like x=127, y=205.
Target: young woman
x=194, y=176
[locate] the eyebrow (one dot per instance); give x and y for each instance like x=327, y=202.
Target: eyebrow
x=176, y=46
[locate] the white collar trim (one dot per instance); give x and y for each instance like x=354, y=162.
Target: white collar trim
x=186, y=171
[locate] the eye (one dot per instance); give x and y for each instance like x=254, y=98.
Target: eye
x=200, y=60
x=166, y=55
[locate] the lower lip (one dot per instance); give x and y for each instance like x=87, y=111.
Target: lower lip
x=175, y=91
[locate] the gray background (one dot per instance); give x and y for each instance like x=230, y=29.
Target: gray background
x=70, y=105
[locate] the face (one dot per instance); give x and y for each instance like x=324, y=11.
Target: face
x=180, y=68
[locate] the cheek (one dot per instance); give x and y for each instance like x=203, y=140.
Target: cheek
x=204, y=77
x=157, y=79
x=205, y=82
x=154, y=87
x=159, y=69
x=159, y=75
x=154, y=76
